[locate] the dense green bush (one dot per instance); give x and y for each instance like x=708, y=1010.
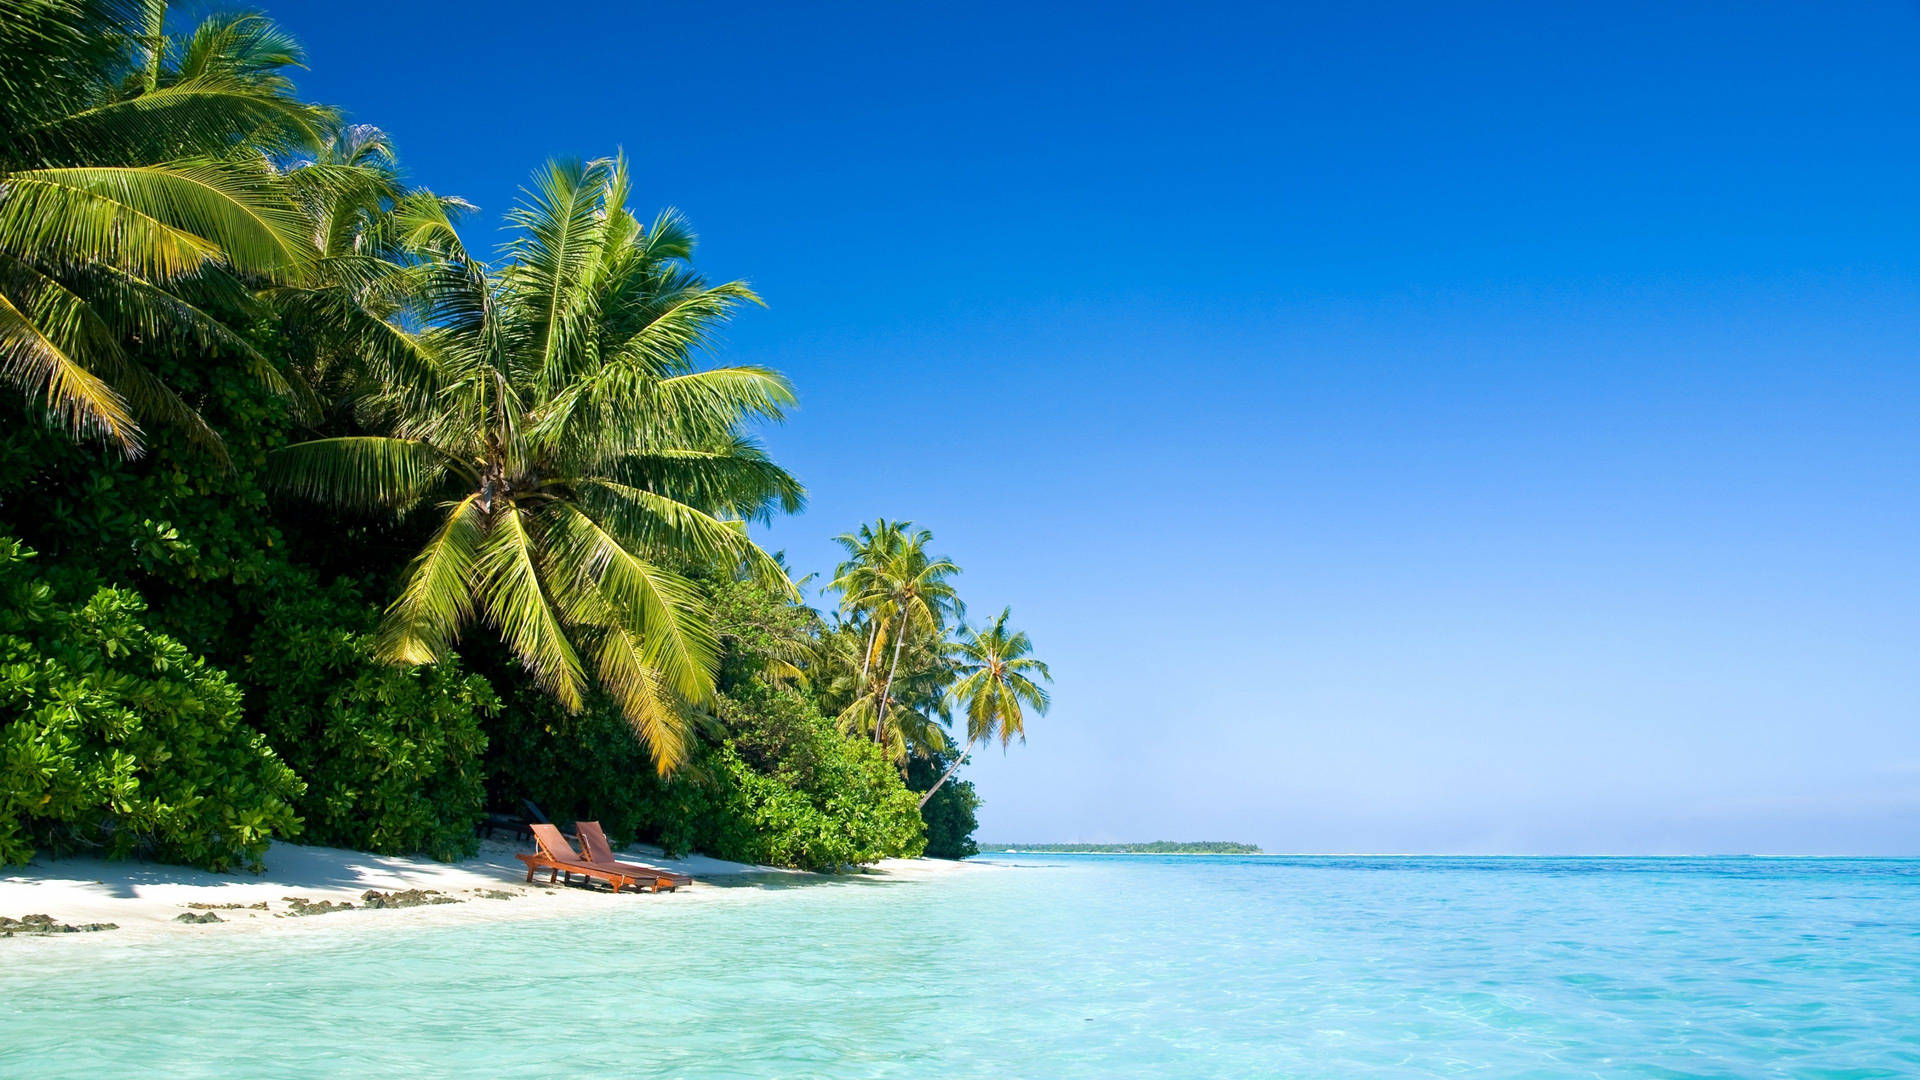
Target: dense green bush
x=193, y=534
x=114, y=737
x=391, y=755
x=950, y=813
x=788, y=789
x=584, y=766
x=783, y=787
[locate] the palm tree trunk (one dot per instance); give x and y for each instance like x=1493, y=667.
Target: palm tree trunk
x=866, y=658
x=957, y=762
x=887, y=694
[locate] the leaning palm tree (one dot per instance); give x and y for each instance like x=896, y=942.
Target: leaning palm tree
x=997, y=683
x=571, y=453
x=136, y=200
x=914, y=592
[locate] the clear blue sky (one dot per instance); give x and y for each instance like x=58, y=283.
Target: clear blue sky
x=1404, y=427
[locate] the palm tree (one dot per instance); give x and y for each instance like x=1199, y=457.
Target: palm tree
x=916, y=703
x=904, y=590
x=344, y=320
x=867, y=550
x=996, y=684
x=136, y=199
x=571, y=453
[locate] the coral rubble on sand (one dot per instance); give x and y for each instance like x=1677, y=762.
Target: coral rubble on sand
x=44, y=924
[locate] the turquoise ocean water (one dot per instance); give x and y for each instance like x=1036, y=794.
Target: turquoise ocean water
x=1055, y=966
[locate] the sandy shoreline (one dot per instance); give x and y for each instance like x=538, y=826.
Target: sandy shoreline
x=146, y=900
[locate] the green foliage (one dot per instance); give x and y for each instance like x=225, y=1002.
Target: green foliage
x=787, y=789
x=115, y=737
x=194, y=535
x=949, y=813
x=575, y=766
x=895, y=590
x=554, y=423
x=135, y=185
x=391, y=755
x=781, y=787
x=209, y=290
x=764, y=636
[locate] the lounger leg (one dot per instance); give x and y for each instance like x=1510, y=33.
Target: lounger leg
x=529, y=875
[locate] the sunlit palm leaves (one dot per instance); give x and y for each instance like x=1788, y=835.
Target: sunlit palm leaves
x=900, y=590
x=353, y=315
x=998, y=681
x=557, y=421
x=136, y=183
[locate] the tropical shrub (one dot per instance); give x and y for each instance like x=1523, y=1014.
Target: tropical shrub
x=782, y=787
x=785, y=788
x=587, y=765
x=191, y=533
x=113, y=737
x=391, y=755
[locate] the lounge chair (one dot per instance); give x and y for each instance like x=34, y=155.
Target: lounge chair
x=594, y=843
x=558, y=856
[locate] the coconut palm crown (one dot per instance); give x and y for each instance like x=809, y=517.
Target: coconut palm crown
x=891, y=579
x=998, y=681
x=572, y=454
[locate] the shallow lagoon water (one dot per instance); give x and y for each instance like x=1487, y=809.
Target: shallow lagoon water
x=1050, y=966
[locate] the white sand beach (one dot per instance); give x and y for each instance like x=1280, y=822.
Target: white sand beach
x=146, y=900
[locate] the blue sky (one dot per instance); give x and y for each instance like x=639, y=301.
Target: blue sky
x=1441, y=428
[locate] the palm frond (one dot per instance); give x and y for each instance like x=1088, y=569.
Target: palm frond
x=35, y=357
x=558, y=221
x=437, y=596
x=157, y=221
x=653, y=522
x=734, y=478
x=510, y=572
x=361, y=471
x=663, y=725
x=663, y=610
x=201, y=116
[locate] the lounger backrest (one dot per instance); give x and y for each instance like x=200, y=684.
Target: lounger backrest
x=594, y=841
x=554, y=844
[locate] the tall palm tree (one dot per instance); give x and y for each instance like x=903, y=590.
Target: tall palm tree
x=997, y=683
x=916, y=704
x=915, y=592
x=136, y=199
x=867, y=550
x=906, y=591
x=571, y=453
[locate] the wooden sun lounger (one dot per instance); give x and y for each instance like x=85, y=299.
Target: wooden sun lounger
x=594, y=842
x=558, y=856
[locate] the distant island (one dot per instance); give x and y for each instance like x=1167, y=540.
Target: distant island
x=1157, y=847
